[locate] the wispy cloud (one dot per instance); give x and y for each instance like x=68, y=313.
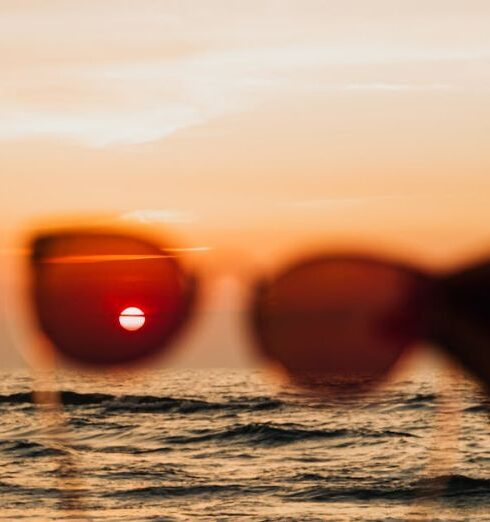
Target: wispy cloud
x=399, y=87
x=97, y=127
x=131, y=103
x=148, y=216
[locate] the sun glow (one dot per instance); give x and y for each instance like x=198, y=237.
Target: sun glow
x=132, y=318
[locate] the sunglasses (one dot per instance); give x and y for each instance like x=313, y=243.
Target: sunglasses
x=334, y=323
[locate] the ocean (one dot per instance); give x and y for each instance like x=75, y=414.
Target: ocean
x=232, y=445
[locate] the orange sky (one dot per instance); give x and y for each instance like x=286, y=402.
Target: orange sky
x=290, y=122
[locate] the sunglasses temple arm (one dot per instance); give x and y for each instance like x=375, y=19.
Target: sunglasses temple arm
x=466, y=341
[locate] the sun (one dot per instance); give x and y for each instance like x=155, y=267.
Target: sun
x=132, y=318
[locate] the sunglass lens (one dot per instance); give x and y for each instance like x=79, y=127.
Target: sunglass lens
x=339, y=322
x=105, y=299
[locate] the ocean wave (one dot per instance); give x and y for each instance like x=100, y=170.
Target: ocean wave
x=152, y=404
x=67, y=397
x=449, y=488
x=444, y=486
x=422, y=398
x=453, y=485
x=277, y=434
x=158, y=472
x=149, y=403
x=252, y=434
x=33, y=493
x=26, y=448
x=419, y=401
x=221, y=490
x=259, y=433
x=478, y=408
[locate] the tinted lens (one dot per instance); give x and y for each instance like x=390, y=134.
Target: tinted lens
x=106, y=299
x=339, y=321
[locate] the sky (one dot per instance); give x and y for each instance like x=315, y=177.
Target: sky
x=255, y=129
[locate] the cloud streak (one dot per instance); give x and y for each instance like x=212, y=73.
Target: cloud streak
x=132, y=103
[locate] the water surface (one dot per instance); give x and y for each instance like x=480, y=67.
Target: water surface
x=230, y=445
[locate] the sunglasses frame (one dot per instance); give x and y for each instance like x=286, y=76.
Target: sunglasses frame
x=437, y=279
